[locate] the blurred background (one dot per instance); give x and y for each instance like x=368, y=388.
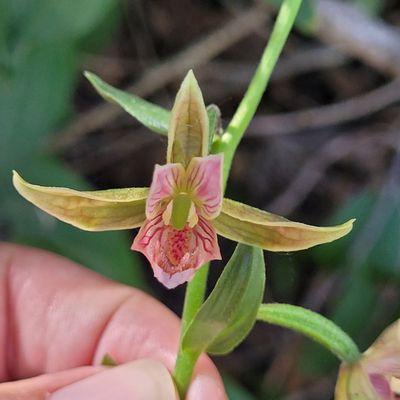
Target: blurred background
x=324, y=147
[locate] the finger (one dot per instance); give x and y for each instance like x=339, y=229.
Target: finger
x=140, y=380
x=37, y=388
x=204, y=387
x=55, y=315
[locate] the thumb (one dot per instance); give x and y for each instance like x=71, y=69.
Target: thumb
x=144, y=379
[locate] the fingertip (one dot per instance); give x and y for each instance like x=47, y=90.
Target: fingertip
x=205, y=387
x=143, y=379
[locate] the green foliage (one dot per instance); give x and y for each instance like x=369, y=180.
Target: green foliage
x=235, y=391
x=154, y=117
x=40, y=47
x=229, y=313
x=312, y=325
x=367, y=258
x=150, y=115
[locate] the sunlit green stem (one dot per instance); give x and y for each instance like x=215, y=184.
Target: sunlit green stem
x=195, y=293
x=184, y=370
x=229, y=141
x=312, y=325
x=227, y=144
x=194, y=298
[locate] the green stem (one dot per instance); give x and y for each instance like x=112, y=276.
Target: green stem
x=312, y=325
x=194, y=297
x=248, y=106
x=227, y=144
x=185, y=363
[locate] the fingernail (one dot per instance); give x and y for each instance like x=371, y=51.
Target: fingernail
x=205, y=387
x=140, y=380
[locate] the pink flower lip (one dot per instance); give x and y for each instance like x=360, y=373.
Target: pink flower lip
x=174, y=253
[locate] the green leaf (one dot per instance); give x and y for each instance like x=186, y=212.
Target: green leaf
x=312, y=325
x=229, y=313
x=150, y=115
x=154, y=117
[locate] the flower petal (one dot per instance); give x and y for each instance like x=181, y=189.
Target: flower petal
x=188, y=129
x=381, y=386
x=255, y=227
x=204, y=183
x=175, y=255
x=93, y=211
x=383, y=357
x=166, y=180
x=353, y=383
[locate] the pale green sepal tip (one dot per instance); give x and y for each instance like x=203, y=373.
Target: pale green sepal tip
x=188, y=132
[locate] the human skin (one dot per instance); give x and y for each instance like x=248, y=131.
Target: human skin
x=58, y=320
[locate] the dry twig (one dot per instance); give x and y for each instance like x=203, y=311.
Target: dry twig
x=314, y=169
x=332, y=114
x=236, y=74
x=338, y=24
x=346, y=27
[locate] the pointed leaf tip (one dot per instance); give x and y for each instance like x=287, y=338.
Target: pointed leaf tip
x=150, y=115
x=87, y=74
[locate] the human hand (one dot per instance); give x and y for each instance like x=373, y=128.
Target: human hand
x=58, y=320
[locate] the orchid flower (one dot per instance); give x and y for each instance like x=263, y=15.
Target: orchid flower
x=376, y=376
x=182, y=212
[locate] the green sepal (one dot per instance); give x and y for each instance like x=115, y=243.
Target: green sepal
x=97, y=210
x=229, y=313
x=188, y=130
x=249, y=225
